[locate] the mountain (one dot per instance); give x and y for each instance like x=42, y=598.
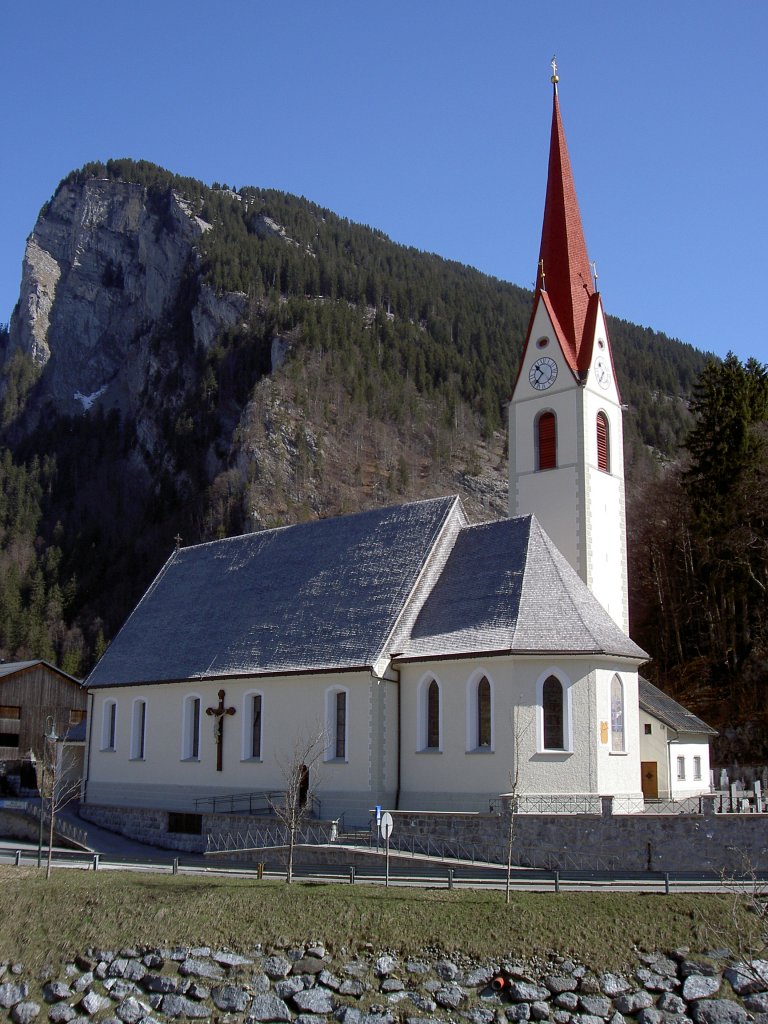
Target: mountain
x=189, y=362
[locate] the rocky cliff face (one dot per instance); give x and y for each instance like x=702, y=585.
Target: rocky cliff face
x=104, y=268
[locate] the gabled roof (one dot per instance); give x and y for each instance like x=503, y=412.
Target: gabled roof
x=10, y=668
x=506, y=588
x=323, y=595
x=659, y=704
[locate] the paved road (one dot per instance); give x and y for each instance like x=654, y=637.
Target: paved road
x=118, y=852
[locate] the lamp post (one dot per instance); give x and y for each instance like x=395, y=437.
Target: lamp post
x=49, y=736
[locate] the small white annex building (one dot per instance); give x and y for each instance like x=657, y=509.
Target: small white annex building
x=674, y=747
x=441, y=661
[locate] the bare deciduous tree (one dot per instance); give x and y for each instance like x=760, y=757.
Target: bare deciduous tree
x=301, y=778
x=56, y=784
x=512, y=798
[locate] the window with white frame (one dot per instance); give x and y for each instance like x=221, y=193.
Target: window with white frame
x=553, y=698
x=336, y=705
x=479, y=714
x=190, y=747
x=681, y=769
x=617, y=716
x=697, y=767
x=429, y=725
x=109, y=725
x=603, y=443
x=252, y=724
x=553, y=714
x=138, y=729
x=341, y=724
x=546, y=440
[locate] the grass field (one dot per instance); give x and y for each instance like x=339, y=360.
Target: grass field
x=79, y=909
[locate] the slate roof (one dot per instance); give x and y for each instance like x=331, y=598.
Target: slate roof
x=506, y=587
x=322, y=595
x=412, y=581
x=659, y=704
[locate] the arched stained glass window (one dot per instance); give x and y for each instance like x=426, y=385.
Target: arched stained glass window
x=617, y=716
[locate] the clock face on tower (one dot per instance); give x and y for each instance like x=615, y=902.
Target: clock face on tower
x=543, y=373
x=602, y=373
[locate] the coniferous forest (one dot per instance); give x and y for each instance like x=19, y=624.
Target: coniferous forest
x=395, y=370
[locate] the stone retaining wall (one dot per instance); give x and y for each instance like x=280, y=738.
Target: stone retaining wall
x=631, y=842
x=307, y=986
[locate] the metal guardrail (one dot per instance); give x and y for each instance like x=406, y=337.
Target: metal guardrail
x=245, y=803
x=261, y=802
x=265, y=838
x=545, y=803
x=553, y=880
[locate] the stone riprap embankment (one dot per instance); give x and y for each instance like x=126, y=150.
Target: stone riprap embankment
x=307, y=986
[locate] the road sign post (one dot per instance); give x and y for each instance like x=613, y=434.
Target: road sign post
x=386, y=830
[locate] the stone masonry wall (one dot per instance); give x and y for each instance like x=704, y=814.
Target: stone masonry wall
x=632, y=842
x=306, y=985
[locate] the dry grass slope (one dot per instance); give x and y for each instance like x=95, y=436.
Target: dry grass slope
x=78, y=909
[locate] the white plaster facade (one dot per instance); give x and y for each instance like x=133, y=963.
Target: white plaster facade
x=457, y=775
x=294, y=710
x=682, y=760
x=580, y=506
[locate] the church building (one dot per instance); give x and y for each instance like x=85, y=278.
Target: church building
x=440, y=663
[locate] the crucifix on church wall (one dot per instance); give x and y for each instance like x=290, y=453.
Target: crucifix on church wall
x=218, y=726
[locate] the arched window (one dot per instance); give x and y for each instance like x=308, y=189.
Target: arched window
x=138, y=729
x=433, y=716
x=484, y=714
x=617, y=716
x=546, y=441
x=552, y=714
x=603, y=443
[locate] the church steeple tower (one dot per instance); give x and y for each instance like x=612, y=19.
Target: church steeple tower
x=563, y=263
x=565, y=434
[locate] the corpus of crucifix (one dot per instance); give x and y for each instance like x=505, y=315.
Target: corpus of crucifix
x=436, y=657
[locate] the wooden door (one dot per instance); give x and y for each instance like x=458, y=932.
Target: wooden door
x=649, y=779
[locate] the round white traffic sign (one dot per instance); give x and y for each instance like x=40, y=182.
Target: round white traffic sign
x=386, y=824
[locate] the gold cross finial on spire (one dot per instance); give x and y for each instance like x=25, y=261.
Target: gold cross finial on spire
x=555, y=77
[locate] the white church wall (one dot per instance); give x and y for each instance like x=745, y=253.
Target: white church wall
x=551, y=495
x=294, y=709
x=457, y=776
x=617, y=732
x=605, y=526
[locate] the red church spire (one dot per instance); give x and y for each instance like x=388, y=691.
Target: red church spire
x=564, y=271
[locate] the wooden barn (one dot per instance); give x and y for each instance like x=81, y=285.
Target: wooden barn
x=31, y=693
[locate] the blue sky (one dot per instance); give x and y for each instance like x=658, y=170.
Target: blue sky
x=428, y=119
